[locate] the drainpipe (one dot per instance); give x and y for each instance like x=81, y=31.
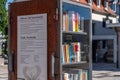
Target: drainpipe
x=117, y=63
x=119, y=9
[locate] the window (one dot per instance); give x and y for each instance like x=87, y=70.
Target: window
x=99, y=3
x=90, y=2
x=93, y=28
x=113, y=6
x=106, y=5
x=104, y=44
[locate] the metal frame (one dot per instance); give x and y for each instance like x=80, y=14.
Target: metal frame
x=90, y=35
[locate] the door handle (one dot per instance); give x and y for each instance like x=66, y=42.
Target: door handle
x=53, y=64
x=11, y=61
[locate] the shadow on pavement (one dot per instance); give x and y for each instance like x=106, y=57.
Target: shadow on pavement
x=105, y=67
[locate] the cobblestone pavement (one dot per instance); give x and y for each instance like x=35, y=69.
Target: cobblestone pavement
x=4, y=72
x=105, y=71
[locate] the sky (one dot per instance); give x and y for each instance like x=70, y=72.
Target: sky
x=8, y=2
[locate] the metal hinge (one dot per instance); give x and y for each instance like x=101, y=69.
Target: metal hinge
x=56, y=14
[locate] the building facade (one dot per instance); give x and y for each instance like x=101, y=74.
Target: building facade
x=104, y=39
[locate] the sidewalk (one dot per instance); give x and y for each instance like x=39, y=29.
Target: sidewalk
x=105, y=71
x=4, y=72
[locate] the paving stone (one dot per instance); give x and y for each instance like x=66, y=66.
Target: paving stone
x=104, y=71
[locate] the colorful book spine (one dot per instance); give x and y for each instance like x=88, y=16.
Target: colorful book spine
x=65, y=56
x=66, y=21
x=72, y=21
x=77, y=52
x=66, y=76
x=71, y=52
x=67, y=53
x=76, y=22
x=81, y=74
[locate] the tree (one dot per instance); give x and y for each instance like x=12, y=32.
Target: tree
x=3, y=24
x=3, y=17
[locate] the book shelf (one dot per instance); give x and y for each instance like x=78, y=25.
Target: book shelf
x=75, y=44
x=67, y=38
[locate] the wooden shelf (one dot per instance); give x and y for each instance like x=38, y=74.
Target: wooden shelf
x=76, y=65
x=71, y=32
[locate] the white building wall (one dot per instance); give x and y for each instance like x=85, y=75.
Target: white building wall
x=98, y=28
x=99, y=17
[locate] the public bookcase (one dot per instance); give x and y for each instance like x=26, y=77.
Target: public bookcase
x=49, y=40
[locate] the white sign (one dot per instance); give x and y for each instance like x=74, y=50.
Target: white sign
x=32, y=47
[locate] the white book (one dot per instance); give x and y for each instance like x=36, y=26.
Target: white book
x=73, y=21
x=63, y=22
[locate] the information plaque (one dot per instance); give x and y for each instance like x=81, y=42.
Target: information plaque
x=32, y=47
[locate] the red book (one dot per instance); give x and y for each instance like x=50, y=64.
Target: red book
x=77, y=51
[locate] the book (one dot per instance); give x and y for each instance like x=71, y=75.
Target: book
x=67, y=53
x=71, y=52
x=77, y=51
x=79, y=23
x=84, y=74
x=71, y=19
x=82, y=24
x=66, y=21
x=72, y=22
x=63, y=22
x=63, y=55
x=76, y=22
x=66, y=76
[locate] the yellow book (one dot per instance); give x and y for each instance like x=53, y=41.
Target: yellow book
x=67, y=53
x=66, y=21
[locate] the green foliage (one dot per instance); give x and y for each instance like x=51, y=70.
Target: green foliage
x=3, y=22
x=3, y=16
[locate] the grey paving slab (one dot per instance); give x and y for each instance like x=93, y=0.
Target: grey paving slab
x=103, y=71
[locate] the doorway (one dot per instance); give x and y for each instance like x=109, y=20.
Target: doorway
x=103, y=51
